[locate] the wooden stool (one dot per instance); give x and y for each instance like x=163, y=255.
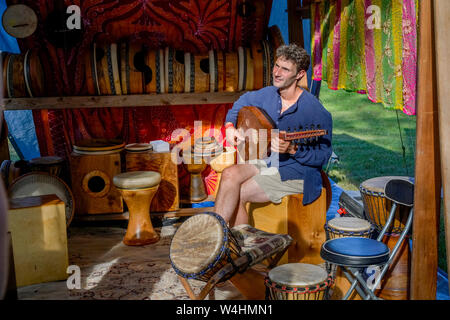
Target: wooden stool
x=138, y=189
x=303, y=223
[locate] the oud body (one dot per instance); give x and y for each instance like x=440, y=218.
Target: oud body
x=257, y=128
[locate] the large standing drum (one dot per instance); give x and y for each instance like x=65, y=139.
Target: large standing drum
x=131, y=68
x=297, y=281
x=174, y=70
x=154, y=74
x=196, y=70
x=377, y=207
x=201, y=246
x=107, y=66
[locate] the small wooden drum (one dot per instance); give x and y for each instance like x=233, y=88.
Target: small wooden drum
x=297, y=281
x=51, y=164
x=201, y=246
x=377, y=207
x=138, y=189
x=348, y=227
x=345, y=227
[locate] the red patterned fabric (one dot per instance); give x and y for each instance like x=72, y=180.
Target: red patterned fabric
x=189, y=25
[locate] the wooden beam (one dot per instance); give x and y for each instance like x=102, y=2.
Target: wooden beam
x=295, y=26
x=441, y=27
x=138, y=100
x=427, y=170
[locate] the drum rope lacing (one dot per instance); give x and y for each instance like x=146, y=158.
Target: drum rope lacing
x=374, y=219
x=300, y=290
x=330, y=230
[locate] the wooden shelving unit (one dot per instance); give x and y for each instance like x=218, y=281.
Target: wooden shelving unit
x=139, y=100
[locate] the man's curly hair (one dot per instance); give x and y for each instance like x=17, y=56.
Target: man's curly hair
x=296, y=54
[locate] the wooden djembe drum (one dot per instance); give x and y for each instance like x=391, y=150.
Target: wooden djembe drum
x=196, y=161
x=138, y=189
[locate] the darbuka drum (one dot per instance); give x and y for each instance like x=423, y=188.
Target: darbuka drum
x=138, y=189
x=297, y=281
x=348, y=227
x=201, y=246
x=377, y=207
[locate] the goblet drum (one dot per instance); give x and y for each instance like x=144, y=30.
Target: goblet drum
x=221, y=162
x=138, y=189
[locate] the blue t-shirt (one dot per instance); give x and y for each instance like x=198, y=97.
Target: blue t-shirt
x=306, y=113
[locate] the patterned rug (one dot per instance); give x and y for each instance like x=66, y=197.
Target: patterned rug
x=111, y=270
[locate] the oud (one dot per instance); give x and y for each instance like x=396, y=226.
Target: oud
x=257, y=128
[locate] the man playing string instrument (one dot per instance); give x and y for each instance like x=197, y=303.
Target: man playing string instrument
x=297, y=169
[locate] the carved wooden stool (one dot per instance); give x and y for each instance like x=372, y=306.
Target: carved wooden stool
x=138, y=189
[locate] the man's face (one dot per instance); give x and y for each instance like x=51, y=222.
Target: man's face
x=285, y=73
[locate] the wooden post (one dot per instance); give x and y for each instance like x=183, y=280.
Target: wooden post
x=441, y=27
x=427, y=171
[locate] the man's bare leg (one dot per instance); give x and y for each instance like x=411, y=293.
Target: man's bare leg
x=250, y=192
x=227, y=198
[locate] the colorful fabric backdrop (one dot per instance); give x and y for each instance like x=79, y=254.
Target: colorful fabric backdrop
x=369, y=46
x=190, y=25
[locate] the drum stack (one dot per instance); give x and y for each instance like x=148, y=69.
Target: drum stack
x=133, y=68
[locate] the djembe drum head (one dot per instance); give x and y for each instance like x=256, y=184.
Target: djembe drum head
x=297, y=281
x=201, y=245
x=377, y=207
x=348, y=226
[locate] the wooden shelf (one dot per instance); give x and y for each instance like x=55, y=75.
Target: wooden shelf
x=139, y=100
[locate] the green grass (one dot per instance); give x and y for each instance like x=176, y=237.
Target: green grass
x=367, y=139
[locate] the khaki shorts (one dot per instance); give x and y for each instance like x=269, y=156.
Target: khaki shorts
x=269, y=180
